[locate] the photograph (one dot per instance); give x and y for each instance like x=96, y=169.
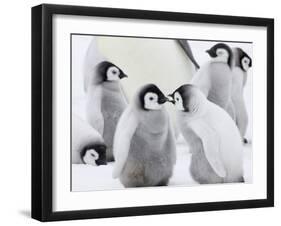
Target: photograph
x=149, y=112
x=142, y=112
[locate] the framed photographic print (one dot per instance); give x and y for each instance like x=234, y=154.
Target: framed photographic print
x=146, y=112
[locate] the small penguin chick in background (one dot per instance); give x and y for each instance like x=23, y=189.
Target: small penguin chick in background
x=105, y=99
x=213, y=138
x=220, y=53
x=144, y=143
x=241, y=64
x=108, y=72
x=87, y=144
x=214, y=78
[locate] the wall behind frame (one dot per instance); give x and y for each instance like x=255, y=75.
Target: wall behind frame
x=15, y=111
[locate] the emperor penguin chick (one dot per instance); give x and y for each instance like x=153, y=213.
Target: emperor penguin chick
x=87, y=144
x=105, y=101
x=214, y=78
x=144, y=143
x=213, y=137
x=241, y=64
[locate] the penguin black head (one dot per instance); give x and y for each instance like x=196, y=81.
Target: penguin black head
x=183, y=98
x=221, y=52
x=242, y=60
x=109, y=72
x=151, y=97
x=94, y=154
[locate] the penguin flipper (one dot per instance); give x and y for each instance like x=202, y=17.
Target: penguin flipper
x=186, y=48
x=211, y=144
x=125, y=130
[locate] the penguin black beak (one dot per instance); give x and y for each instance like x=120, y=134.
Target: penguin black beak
x=163, y=100
x=122, y=75
x=101, y=149
x=211, y=53
x=170, y=97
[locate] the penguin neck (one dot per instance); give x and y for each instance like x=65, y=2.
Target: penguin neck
x=112, y=86
x=218, y=59
x=154, y=121
x=200, y=110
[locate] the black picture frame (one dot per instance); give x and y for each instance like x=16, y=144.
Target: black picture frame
x=42, y=108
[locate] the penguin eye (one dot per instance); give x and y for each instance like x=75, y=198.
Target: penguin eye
x=177, y=99
x=221, y=52
x=151, y=98
x=113, y=70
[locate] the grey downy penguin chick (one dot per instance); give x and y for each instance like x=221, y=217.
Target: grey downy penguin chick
x=241, y=64
x=213, y=137
x=144, y=143
x=87, y=144
x=215, y=77
x=105, y=101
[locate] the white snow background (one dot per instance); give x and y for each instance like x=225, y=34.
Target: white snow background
x=90, y=178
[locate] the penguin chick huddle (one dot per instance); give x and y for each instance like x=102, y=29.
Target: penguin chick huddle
x=222, y=80
x=139, y=137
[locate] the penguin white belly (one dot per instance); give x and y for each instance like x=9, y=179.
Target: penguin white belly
x=145, y=60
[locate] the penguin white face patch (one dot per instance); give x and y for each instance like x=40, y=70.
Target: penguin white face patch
x=178, y=101
x=222, y=55
x=151, y=101
x=90, y=157
x=112, y=73
x=245, y=62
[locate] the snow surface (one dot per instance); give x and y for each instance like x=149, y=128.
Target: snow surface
x=90, y=178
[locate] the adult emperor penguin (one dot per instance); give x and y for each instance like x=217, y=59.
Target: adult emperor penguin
x=144, y=143
x=212, y=135
x=241, y=64
x=105, y=97
x=215, y=77
x=87, y=144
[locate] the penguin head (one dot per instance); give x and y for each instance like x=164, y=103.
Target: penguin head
x=94, y=154
x=187, y=98
x=108, y=72
x=151, y=98
x=221, y=53
x=242, y=59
